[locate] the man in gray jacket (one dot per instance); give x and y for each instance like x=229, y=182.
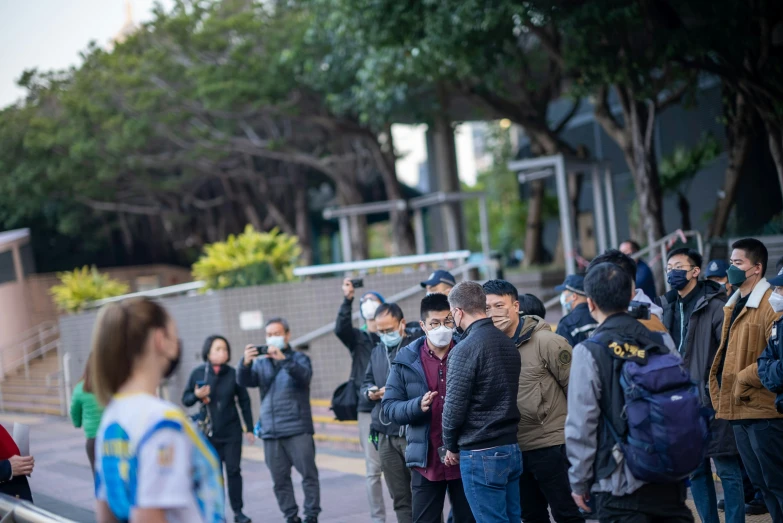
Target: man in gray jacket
x=283, y=377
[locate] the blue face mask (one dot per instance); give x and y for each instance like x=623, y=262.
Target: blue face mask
x=678, y=279
x=391, y=339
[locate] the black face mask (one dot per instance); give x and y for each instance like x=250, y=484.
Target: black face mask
x=174, y=364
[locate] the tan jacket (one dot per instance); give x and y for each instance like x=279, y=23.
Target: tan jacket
x=741, y=395
x=543, y=385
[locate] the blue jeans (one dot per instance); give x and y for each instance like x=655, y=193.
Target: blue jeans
x=703, y=490
x=491, y=481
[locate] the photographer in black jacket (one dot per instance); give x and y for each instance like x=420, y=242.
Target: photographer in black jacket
x=214, y=384
x=360, y=343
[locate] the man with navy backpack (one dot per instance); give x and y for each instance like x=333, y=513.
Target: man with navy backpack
x=633, y=431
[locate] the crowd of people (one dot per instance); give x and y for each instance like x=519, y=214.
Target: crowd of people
x=613, y=415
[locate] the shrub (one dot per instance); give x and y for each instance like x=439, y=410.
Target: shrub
x=250, y=258
x=82, y=286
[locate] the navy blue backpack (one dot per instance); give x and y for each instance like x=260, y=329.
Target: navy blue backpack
x=667, y=430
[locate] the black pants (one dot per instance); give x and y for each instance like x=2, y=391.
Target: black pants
x=653, y=503
x=230, y=454
x=760, y=444
x=544, y=483
x=429, y=497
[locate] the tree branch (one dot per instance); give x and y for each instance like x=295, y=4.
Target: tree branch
x=607, y=120
x=120, y=207
x=567, y=118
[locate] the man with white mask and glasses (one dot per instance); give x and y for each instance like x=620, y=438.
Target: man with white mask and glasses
x=415, y=395
x=283, y=377
x=360, y=342
x=388, y=436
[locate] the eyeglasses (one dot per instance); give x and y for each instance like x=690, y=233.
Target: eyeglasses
x=388, y=331
x=436, y=324
x=679, y=268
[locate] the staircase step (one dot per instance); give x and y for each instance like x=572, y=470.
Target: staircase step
x=32, y=408
x=32, y=398
x=32, y=390
x=33, y=382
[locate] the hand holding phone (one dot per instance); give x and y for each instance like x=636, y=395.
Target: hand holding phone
x=251, y=353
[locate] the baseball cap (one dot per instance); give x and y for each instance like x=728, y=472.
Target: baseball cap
x=574, y=283
x=716, y=268
x=777, y=281
x=440, y=276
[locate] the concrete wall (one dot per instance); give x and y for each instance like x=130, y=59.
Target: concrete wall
x=306, y=305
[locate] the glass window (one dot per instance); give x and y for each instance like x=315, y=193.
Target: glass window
x=7, y=270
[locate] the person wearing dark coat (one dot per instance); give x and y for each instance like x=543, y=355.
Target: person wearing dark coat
x=214, y=386
x=577, y=325
x=693, y=315
x=360, y=343
x=415, y=393
x=14, y=469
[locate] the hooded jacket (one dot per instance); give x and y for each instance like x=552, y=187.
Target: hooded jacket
x=543, y=385
x=741, y=394
x=699, y=346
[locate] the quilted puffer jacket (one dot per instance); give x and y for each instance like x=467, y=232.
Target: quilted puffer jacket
x=480, y=410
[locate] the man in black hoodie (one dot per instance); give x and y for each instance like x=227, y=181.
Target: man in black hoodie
x=360, y=343
x=693, y=315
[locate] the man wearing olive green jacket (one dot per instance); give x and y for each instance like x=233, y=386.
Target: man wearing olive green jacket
x=542, y=404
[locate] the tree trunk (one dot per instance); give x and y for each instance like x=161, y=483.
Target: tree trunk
x=403, y=241
x=738, y=137
x=685, y=211
x=302, y=213
x=775, y=140
x=348, y=193
x=533, y=245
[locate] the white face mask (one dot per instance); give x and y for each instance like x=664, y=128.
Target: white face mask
x=276, y=341
x=440, y=337
x=776, y=300
x=368, y=309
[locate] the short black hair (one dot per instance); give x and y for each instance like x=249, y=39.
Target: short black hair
x=635, y=247
x=435, y=302
x=208, y=346
x=618, y=258
x=530, y=305
x=609, y=287
x=755, y=251
x=389, y=308
x=692, y=254
x=501, y=288
x=281, y=321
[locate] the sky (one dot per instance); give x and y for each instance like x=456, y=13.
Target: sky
x=49, y=34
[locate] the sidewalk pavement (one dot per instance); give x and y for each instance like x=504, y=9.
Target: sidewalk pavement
x=62, y=482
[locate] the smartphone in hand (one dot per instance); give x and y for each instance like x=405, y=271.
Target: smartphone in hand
x=263, y=350
x=357, y=283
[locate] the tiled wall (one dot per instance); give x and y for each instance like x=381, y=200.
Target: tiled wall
x=306, y=306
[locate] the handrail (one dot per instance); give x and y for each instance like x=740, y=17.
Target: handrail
x=180, y=288
x=14, y=510
x=407, y=293
x=395, y=261
x=43, y=334
x=26, y=335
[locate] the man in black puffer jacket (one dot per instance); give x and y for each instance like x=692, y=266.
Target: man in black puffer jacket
x=480, y=415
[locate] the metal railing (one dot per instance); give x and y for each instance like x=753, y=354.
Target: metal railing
x=396, y=261
x=13, y=510
x=462, y=271
x=172, y=290
x=43, y=337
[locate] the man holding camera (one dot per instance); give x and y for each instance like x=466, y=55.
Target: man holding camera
x=283, y=377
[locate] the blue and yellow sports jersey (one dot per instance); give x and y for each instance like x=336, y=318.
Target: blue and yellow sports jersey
x=149, y=455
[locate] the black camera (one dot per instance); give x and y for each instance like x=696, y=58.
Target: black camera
x=262, y=349
x=639, y=310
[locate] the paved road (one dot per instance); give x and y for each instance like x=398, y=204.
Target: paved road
x=62, y=482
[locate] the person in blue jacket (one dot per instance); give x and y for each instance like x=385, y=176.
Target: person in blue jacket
x=415, y=393
x=771, y=360
x=644, y=275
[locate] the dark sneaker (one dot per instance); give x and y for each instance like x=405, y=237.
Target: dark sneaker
x=241, y=518
x=294, y=519
x=722, y=505
x=311, y=519
x=756, y=507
